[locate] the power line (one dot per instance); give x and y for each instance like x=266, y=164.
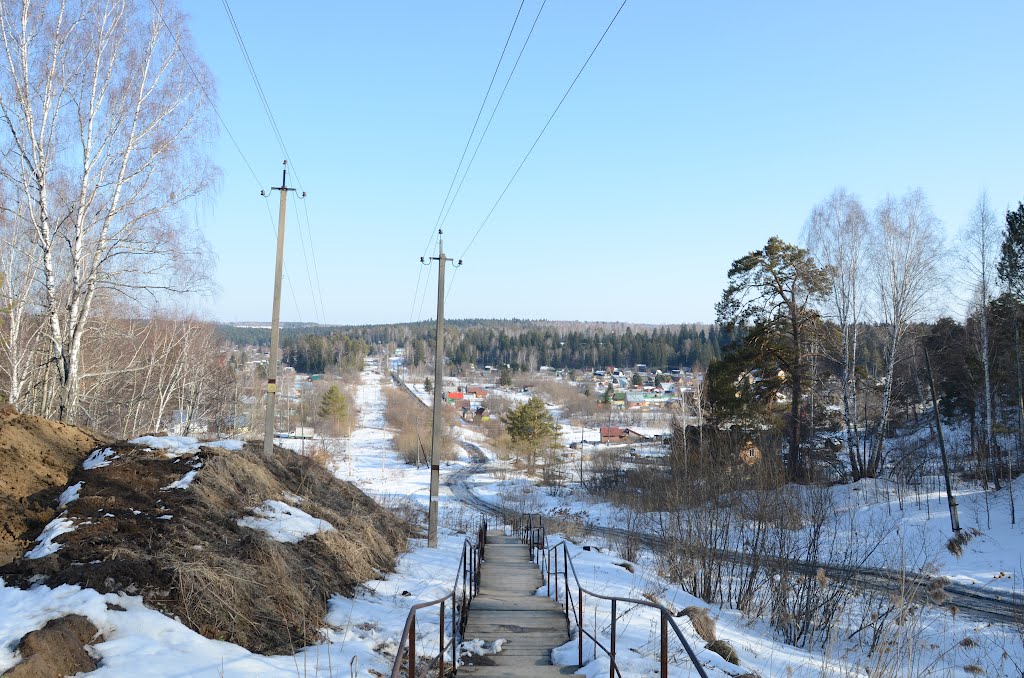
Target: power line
x=213, y=104
x=318, y=291
x=259, y=86
x=465, y=149
x=309, y=275
x=316, y=271
x=202, y=87
x=490, y=119
x=479, y=113
x=543, y=129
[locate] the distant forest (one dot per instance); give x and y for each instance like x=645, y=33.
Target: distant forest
x=523, y=344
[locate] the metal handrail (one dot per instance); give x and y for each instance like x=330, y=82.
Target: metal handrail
x=532, y=531
x=468, y=570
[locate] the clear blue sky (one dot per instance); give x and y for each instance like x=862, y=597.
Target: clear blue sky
x=697, y=131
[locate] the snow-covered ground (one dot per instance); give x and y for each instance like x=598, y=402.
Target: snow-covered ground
x=360, y=633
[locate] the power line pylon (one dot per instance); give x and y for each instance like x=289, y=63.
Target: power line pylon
x=439, y=393
x=275, y=320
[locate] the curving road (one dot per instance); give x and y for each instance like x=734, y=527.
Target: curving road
x=979, y=605
x=996, y=607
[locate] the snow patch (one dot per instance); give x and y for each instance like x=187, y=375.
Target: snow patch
x=480, y=647
x=99, y=459
x=56, y=527
x=283, y=522
x=69, y=495
x=182, y=482
x=180, y=446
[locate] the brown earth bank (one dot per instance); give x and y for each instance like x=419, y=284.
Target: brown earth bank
x=58, y=649
x=37, y=456
x=184, y=552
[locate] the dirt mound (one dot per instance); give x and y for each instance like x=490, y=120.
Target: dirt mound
x=38, y=458
x=57, y=649
x=165, y=525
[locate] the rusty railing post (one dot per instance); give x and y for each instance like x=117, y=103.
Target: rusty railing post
x=455, y=663
x=611, y=654
x=440, y=646
x=664, y=644
x=579, y=626
x=412, y=645
x=556, y=576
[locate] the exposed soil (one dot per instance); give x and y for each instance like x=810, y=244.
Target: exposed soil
x=184, y=552
x=38, y=457
x=57, y=650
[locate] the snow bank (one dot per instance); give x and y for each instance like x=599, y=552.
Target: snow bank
x=283, y=522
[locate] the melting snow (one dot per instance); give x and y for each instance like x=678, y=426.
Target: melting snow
x=180, y=446
x=98, y=459
x=56, y=527
x=70, y=494
x=284, y=522
x=182, y=482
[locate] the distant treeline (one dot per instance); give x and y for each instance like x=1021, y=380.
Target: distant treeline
x=524, y=344
x=318, y=353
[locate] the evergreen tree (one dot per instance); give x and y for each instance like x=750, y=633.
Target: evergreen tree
x=505, y=379
x=428, y=385
x=774, y=291
x=532, y=429
x=609, y=395
x=334, y=410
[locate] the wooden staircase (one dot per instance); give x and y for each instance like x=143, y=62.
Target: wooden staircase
x=506, y=608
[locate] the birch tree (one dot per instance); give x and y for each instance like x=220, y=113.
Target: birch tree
x=980, y=242
x=18, y=263
x=105, y=124
x=906, y=252
x=837, y=235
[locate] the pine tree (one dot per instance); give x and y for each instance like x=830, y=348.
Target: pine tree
x=609, y=395
x=428, y=385
x=334, y=409
x=532, y=429
x=773, y=291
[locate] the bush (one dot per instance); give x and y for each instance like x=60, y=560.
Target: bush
x=412, y=424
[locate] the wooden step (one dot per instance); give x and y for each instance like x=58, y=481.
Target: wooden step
x=508, y=608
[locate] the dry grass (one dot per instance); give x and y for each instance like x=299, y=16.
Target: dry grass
x=702, y=622
x=724, y=650
x=956, y=544
x=239, y=585
x=413, y=424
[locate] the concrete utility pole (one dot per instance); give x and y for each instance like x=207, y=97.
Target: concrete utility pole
x=275, y=321
x=439, y=394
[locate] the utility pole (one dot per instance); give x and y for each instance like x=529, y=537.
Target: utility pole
x=954, y=514
x=275, y=321
x=439, y=393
